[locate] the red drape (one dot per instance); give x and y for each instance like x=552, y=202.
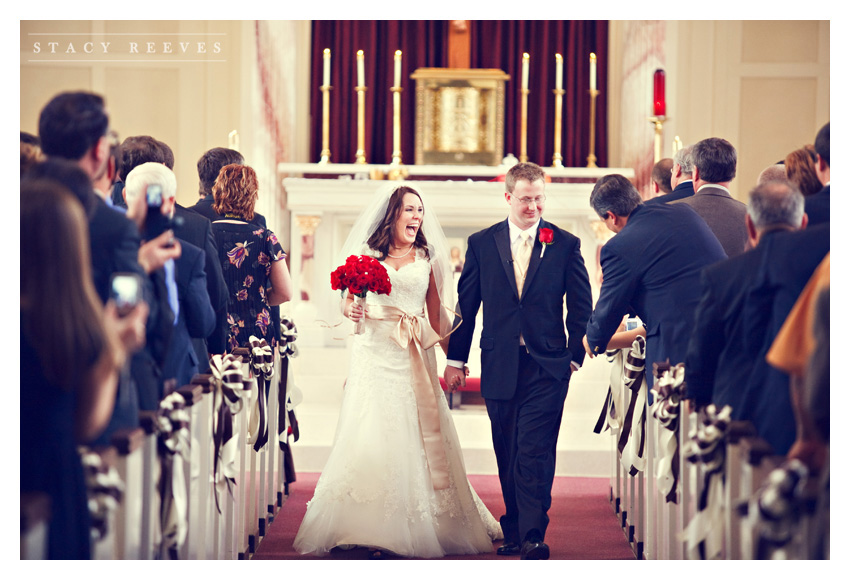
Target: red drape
x=494, y=44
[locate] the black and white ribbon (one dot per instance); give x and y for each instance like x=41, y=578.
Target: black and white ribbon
x=173, y=441
x=229, y=392
x=262, y=363
x=668, y=389
x=706, y=447
x=288, y=336
x=777, y=508
x=105, y=491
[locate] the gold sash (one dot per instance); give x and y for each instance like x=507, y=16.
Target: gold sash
x=415, y=334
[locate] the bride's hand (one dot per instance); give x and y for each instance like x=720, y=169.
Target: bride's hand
x=354, y=312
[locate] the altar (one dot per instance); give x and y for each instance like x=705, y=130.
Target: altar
x=325, y=199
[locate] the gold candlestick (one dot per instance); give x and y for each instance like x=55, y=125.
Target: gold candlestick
x=396, y=125
x=523, y=154
x=557, y=159
x=326, y=114
x=658, y=121
x=361, y=125
x=591, y=159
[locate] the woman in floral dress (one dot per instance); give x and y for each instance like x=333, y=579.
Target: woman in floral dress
x=252, y=259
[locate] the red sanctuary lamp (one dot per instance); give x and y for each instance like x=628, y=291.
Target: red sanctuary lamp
x=658, y=93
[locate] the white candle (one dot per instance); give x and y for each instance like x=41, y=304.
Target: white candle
x=361, y=74
x=592, y=72
x=525, y=58
x=326, y=79
x=559, y=71
x=397, y=82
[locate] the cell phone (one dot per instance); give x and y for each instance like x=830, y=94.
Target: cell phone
x=632, y=323
x=155, y=222
x=125, y=289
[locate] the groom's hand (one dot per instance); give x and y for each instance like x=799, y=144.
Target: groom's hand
x=587, y=347
x=455, y=378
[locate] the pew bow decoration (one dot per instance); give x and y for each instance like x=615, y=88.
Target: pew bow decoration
x=262, y=363
x=173, y=441
x=628, y=376
x=777, y=507
x=706, y=447
x=229, y=391
x=288, y=396
x=669, y=392
x=105, y=491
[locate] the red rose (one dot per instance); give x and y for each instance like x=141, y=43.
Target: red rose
x=546, y=236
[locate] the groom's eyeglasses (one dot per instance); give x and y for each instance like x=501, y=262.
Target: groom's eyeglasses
x=528, y=200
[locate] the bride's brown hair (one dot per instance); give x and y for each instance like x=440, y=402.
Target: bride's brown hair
x=383, y=234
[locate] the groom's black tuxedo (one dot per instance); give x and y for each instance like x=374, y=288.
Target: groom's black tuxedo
x=524, y=387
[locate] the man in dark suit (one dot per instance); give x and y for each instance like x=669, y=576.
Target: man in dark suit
x=651, y=267
x=681, y=177
x=662, y=172
x=726, y=349
x=526, y=359
x=817, y=205
x=209, y=165
x=189, y=228
x=715, y=163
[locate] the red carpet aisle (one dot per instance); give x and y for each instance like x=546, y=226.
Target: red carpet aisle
x=582, y=523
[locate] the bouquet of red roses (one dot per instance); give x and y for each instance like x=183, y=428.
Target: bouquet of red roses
x=359, y=275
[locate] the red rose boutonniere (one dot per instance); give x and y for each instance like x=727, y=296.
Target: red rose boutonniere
x=545, y=236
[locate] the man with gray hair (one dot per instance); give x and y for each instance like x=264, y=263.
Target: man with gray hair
x=725, y=362
x=715, y=162
x=681, y=177
x=651, y=267
x=775, y=172
x=194, y=316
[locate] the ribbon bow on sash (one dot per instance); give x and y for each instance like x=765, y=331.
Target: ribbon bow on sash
x=172, y=427
x=415, y=334
x=707, y=446
x=105, y=491
x=668, y=390
x=229, y=391
x=262, y=363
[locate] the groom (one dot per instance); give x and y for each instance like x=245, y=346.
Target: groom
x=526, y=360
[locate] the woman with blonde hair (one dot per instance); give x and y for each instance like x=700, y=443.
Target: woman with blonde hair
x=252, y=260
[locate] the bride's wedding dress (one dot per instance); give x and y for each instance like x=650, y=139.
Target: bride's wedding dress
x=377, y=489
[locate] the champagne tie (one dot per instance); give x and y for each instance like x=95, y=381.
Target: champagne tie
x=521, y=258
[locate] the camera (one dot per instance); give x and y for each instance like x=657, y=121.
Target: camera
x=125, y=289
x=155, y=222
x=632, y=323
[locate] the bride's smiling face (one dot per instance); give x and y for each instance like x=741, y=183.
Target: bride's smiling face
x=409, y=221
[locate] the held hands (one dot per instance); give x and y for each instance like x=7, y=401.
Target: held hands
x=126, y=334
x=455, y=378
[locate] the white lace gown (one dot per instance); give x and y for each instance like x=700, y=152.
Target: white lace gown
x=376, y=490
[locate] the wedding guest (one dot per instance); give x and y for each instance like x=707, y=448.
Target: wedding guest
x=30, y=151
x=801, y=169
x=715, y=163
x=72, y=349
x=252, y=259
x=104, y=182
x=209, y=166
x=681, y=177
x=194, y=315
x=817, y=205
x=661, y=175
x=652, y=267
x=725, y=356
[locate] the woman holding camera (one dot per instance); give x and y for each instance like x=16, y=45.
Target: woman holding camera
x=252, y=260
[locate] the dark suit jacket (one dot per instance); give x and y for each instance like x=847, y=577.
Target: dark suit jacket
x=196, y=230
x=817, y=207
x=725, y=215
x=653, y=266
x=787, y=264
x=114, y=242
x=196, y=317
x=725, y=344
x=681, y=191
x=488, y=277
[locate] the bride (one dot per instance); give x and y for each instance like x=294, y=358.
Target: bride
x=395, y=481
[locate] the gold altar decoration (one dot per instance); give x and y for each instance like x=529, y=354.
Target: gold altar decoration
x=658, y=122
x=360, y=154
x=460, y=116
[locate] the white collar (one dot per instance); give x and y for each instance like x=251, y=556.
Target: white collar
x=515, y=230
x=704, y=185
